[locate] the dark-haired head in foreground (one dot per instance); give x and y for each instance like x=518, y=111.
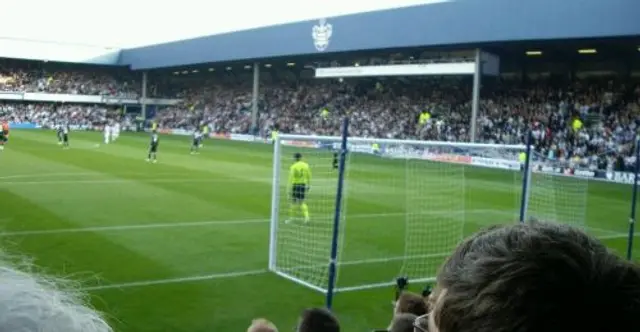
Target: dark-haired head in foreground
x=535, y=277
x=412, y=303
x=318, y=320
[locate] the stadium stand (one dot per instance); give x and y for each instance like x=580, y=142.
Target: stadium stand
x=32, y=76
x=607, y=109
x=582, y=114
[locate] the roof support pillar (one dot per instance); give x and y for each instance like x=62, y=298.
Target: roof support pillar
x=254, y=100
x=475, y=99
x=143, y=95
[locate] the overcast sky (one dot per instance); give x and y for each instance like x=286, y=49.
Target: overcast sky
x=130, y=23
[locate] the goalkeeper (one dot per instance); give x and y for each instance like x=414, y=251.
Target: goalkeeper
x=299, y=179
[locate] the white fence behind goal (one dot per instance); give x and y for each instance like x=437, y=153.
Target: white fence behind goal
x=405, y=207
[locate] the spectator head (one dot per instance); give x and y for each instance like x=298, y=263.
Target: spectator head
x=535, y=277
x=411, y=303
x=402, y=323
x=262, y=325
x=31, y=303
x=318, y=320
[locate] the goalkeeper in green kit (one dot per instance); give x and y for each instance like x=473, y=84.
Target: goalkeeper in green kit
x=299, y=181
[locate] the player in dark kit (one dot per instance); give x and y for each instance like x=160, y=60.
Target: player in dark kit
x=4, y=134
x=153, y=147
x=335, y=160
x=197, y=142
x=65, y=136
x=59, y=131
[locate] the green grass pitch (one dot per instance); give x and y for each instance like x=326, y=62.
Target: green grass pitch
x=183, y=245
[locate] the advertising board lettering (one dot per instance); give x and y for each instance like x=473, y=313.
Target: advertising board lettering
x=621, y=177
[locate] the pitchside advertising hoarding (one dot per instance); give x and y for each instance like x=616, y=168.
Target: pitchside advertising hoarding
x=421, y=153
x=620, y=177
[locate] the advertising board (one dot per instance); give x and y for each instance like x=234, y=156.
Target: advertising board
x=495, y=163
x=302, y=144
x=620, y=177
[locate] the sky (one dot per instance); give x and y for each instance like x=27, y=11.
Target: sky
x=132, y=23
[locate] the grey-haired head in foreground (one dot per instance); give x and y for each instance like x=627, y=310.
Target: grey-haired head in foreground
x=34, y=303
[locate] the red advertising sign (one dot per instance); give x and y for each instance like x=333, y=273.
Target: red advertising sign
x=449, y=158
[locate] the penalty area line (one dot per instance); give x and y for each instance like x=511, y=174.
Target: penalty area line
x=176, y=280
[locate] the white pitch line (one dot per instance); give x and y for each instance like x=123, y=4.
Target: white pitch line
x=194, y=224
x=166, y=225
x=371, y=261
x=120, y=181
x=616, y=236
x=79, y=174
x=177, y=280
x=45, y=175
x=133, y=227
x=249, y=273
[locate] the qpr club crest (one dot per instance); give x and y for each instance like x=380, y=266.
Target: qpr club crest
x=321, y=34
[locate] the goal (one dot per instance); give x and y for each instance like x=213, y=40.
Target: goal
x=405, y=206
x=555, y=196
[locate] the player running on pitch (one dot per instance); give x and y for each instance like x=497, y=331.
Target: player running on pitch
x=299, y=182
x=153, y=147
x=197, y=142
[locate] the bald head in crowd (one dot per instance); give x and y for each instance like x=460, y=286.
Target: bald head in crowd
x=262, y=325
x=535, y=277
x=33, y=303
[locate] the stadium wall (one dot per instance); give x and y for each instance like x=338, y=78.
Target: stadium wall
x=444, y=23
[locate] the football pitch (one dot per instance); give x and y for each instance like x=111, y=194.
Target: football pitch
x=182, y=245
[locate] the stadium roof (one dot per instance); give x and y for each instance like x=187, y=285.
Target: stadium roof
x=447, y=23
x=83, y=34
x=433, y=23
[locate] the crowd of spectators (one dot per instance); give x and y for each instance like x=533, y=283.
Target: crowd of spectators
x=587, y=124
x=590, y=123
x=49, y=115
x=22, y=76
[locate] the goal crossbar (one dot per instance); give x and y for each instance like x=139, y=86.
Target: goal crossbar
x=366, y=140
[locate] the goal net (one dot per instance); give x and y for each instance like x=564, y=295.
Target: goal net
x=556, y=194
x=406, y=205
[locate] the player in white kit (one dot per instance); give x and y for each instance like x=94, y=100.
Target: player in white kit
x=107, y=133
x=115, y=131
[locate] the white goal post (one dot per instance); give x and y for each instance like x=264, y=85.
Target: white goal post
x=409, y=206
